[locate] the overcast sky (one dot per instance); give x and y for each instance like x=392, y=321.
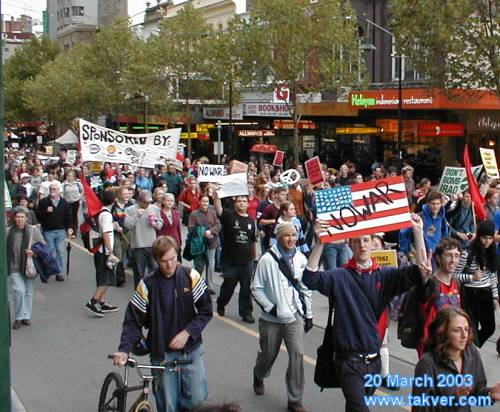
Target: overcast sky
x=34, y=8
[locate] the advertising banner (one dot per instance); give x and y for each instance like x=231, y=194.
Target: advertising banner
x=100, y=144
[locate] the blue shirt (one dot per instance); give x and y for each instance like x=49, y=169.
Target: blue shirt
x=496, y=219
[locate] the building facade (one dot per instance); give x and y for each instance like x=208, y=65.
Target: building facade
x=110, y=10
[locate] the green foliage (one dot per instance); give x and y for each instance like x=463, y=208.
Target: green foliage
x=453, y=44
x=24, y=65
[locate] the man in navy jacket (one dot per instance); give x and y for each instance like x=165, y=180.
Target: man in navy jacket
x=360, y=292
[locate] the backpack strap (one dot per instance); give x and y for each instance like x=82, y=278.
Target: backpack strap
x=285, y=269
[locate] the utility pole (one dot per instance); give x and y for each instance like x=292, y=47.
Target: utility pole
x=4, y=306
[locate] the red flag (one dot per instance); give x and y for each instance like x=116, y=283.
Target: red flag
x=94, y=204
x=477, y=199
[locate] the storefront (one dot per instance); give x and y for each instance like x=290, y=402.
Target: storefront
x=435, y=123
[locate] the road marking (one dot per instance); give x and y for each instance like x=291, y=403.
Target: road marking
x=308, y=359
x=249, y=331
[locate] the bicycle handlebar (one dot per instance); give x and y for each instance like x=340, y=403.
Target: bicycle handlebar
x=131, y=362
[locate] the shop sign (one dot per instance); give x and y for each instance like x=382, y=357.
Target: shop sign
x=281, y=93
x=308, y=142
x=482, y=123
x=454, y=179
x=434, y=129
x=357, y=130
x=387, y=125
x=489, y=162
x=266, y=110
x=256, y=133
x=192, y=135
x=288, y=124
x=222, y=113
x=420, y=98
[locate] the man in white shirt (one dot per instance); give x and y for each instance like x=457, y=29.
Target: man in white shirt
x=104, y=259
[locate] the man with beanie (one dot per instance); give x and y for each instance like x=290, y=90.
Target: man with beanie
x=286, y=313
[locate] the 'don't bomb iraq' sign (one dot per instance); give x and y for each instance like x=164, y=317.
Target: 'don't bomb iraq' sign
x=454, y=179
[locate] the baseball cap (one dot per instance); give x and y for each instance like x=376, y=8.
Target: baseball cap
x=23, y=175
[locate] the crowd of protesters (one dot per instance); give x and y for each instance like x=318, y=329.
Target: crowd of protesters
x=449, y=256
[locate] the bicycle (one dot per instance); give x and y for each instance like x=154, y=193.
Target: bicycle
x=114, y=390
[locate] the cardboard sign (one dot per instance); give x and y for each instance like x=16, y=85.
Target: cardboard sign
x=140, y=150
x=279, y=156
x=233, y=185
x=313, y=170
x=71, y=156
x=363, y=208
x=489, y=162
x=95, y=167
x=238, y=167
x=385, y=257
x=7, y=199
x=454, y=179
x=211, y=173
x=49, y=150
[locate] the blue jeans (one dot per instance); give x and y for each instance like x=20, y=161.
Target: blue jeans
x=143, y=263
x=186, y=387
x=335, y=255
x=55, y=242
x=23, y=288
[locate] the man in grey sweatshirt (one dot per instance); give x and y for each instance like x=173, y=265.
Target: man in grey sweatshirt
x=143, y=219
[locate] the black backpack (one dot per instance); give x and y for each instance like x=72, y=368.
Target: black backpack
x=410, y=320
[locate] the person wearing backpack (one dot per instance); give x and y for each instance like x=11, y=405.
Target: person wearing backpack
x=104, y=259
x=442, y=289
x=361, y=291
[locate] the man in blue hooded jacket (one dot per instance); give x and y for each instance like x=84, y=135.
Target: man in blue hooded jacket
x=435, y=225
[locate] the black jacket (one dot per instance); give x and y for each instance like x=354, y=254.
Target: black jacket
x=60, y=218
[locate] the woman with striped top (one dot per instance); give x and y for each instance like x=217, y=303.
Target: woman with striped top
x=481, y=294
x=288, y=213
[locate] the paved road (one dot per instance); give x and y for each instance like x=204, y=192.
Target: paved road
x=59, y=363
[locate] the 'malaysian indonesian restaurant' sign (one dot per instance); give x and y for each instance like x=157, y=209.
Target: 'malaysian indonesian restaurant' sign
x=414, y=98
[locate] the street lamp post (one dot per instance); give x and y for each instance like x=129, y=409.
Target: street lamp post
x=370, y=47
x=219, y=127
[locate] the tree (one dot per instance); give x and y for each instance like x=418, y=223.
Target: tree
x=179, y=55
x=308, y=46
x=453, y=44
x=64, y=90
x=23, y=66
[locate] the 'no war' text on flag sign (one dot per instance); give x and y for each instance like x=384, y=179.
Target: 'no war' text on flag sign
x=363, y=209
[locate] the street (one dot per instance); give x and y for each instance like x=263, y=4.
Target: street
x=59, y=362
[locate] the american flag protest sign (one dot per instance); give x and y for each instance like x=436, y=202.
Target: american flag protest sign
x=363, y=208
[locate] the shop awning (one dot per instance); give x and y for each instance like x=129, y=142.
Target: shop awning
x=264, y=148
x=69, y=137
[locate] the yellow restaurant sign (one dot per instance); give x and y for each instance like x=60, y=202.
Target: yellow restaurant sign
x=385, y=257
x=193, y=135
x=357, y=130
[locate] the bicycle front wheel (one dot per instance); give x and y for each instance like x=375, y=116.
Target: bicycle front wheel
x=143, y=406
x=112, y=397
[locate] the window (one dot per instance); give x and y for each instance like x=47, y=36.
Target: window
x=408, y=72
x=66, y=12
x=77, y=10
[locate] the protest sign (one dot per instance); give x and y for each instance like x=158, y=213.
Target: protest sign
x=144, y=150
x=95, y=167
x=454, y=179
x=363, y=208
x=238, y=167
x=489, y=162
x=233, y=185
x=279, y=156
x=211, y=173
x=314, y=172
x=385, y=257
x=71, y=156
x=7, y=199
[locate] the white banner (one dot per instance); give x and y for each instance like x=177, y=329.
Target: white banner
x=211, y=173
x=100, y=144
x=489, y=162
x=233, y=185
